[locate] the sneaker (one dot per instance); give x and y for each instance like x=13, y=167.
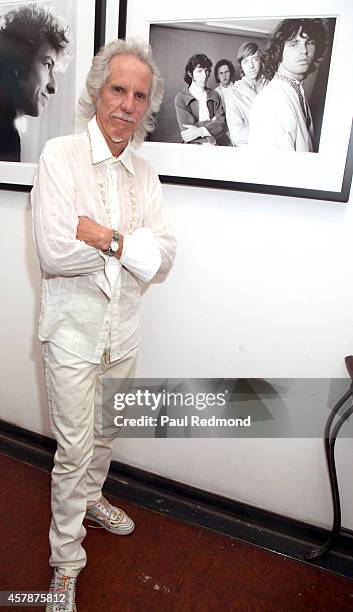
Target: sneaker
x=62, y=585
x=110, y=517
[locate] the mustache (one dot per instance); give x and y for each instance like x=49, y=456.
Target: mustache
x=123, y=116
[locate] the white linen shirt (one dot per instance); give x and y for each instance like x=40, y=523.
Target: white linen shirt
x=89, y=299
x=277, y=121
x=240, y=98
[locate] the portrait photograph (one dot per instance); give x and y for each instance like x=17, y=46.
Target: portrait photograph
x=45, y=48
x=264, y=89
x=37, y=75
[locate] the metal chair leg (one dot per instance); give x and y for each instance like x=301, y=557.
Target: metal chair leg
x=330, y=441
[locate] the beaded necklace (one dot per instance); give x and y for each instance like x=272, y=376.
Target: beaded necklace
x=102, y=190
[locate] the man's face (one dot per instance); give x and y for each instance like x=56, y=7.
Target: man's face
x=224, y=75
x=39, y=84
x=251, y=66
x=298, y=54
x=200, y=76
x=123, y=100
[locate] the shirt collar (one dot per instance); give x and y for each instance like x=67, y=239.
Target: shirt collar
x=253, y=84
x=101, y=151
x=289, y=79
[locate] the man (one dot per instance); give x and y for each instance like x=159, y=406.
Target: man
x=199, y=109
x=280, y=118
x=31, y=42
x=243, y=93
x=224, y=74
x=102, y=233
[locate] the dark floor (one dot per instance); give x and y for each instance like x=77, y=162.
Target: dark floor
x=164, y=566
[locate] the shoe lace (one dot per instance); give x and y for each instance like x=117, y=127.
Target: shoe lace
x=113, y=514
x=65, y=584
x=68, y=583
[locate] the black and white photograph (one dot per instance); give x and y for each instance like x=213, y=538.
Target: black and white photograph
x=37, y=78
x=45, y=48
x=213, y=75
x=264, y=89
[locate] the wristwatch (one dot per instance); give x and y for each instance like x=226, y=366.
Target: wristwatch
x=114, y=244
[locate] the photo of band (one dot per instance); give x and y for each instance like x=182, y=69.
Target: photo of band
x=262, y=87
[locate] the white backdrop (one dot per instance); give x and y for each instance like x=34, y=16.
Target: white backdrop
x=262, y=287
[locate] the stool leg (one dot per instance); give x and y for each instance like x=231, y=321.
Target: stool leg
x=330, y=441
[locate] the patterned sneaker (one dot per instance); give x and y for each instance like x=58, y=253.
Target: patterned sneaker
x=62, y=585
x=110, y=517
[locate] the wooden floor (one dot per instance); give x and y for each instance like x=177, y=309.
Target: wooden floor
x=164, y=566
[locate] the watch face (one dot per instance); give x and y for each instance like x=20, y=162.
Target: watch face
x=114, y=245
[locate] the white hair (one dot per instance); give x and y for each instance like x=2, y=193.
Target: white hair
x=99, y=72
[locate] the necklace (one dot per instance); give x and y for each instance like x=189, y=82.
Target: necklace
x=103, y=194
x=303, y=105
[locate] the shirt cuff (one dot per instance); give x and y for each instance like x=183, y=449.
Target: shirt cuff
x=141, y=254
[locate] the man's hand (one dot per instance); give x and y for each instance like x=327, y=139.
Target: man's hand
x=93, y=234
x=191, y=133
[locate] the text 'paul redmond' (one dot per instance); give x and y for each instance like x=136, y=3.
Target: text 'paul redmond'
x=184, y=421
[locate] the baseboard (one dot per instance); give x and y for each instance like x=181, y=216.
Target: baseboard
x=177, y=500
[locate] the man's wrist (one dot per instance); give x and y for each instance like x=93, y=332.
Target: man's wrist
x=121, y=246
x=107, y=238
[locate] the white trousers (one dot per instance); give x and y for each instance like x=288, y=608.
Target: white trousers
x=83, y=455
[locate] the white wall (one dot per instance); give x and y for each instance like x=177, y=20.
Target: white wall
x=262, y=287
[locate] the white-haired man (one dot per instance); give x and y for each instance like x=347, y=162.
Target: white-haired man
x=102, y=233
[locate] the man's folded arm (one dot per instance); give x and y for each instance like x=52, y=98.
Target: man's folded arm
x=55, y=220
x=183, y=114
x=149, y=251
x=217, y=125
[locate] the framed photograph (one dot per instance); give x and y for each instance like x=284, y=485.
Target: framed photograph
x=46, y=48
x=265, y=87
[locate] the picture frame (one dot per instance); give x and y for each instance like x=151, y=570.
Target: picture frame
x=325, y=174
x=87, y=22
